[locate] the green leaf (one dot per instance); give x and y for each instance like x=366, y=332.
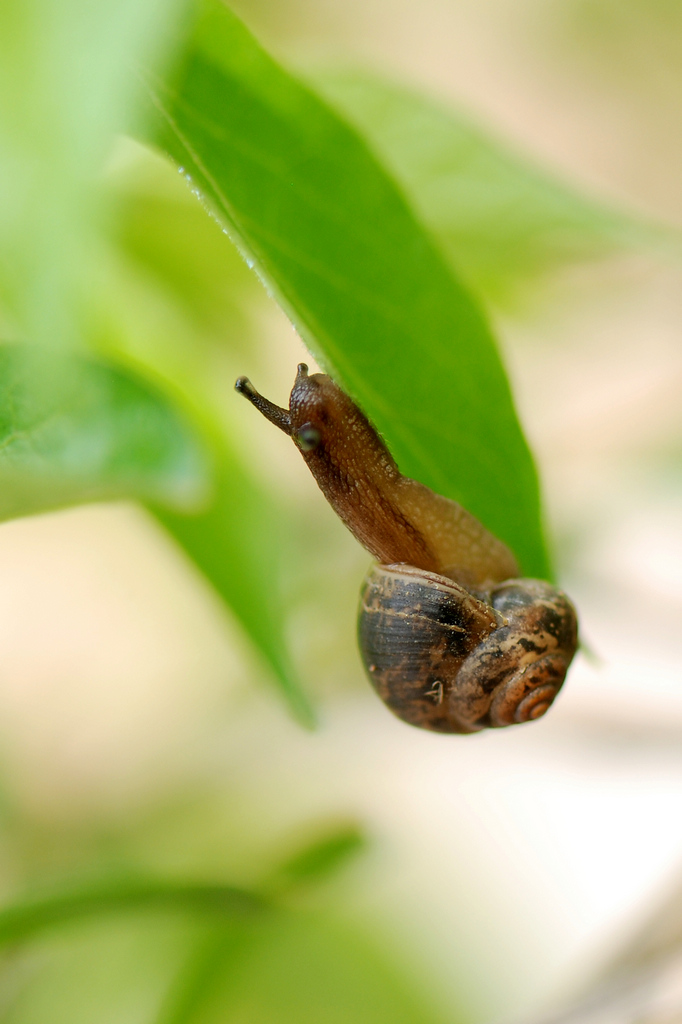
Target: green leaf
x=178, y=260
x=76, y=429
x=212, y=957
x=321, y=858
x=237, y=543
x=501, y=221
x=67, y=79
x=298, y=968
x=29, y=918
x=364, y=284
x=185, y=319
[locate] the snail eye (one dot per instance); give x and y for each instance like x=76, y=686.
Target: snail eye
x=307, y=437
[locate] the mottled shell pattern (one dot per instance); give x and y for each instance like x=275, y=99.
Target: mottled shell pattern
x=445, y=660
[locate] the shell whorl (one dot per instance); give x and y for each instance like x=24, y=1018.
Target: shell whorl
x=447, y=661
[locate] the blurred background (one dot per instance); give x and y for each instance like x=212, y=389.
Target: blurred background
x=493, y=874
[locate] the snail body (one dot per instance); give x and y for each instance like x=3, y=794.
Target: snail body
x=452, y=640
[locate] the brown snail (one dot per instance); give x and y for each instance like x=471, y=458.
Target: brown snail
x=451, y=639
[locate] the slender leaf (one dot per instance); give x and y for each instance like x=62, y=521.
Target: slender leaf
x=362, y=281
x=237, y=542
x=76, y=429
x=213, y=958
x=502, y=221
x=321, y=858
x=29, y=918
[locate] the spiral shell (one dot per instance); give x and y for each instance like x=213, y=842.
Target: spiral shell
x=446, y=660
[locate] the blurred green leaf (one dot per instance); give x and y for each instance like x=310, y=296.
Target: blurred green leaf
x=501, y=221
x=171, y=246
x=76, y=429
x=185, y=317
x=96, y=970
x=237, y=542
x=301, y=968
x=213, y=956
x=363, y=283
x=28, y=918
x=67, y=79
x=242, y=962
x=322, y=857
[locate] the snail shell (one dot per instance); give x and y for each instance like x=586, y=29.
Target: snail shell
x=452, y=640
x=445, y=660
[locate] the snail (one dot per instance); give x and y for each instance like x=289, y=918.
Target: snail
x=452, y=640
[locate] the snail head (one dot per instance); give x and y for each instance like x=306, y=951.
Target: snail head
x=321, y=419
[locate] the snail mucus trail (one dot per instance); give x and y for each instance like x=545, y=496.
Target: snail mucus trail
x=451, y=638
